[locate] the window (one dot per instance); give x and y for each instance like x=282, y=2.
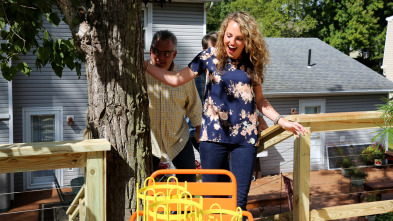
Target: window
x=147, y=17
x=40, y=125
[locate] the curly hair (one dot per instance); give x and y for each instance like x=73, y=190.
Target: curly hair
x=255, y=50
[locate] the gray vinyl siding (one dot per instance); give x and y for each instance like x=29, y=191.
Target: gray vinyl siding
x=44, y=89
x=185, y=20
x=280, y=156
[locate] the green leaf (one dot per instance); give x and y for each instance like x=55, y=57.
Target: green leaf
x=53, y=18
x=7, y=71
x=44, y=54
x=2, y=23
x=69, y=62
x=78, y=68
x=58, y=70
x=24, y=68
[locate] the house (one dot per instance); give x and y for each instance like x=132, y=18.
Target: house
x=43, y=107
x=309, y=76
x=387, y=63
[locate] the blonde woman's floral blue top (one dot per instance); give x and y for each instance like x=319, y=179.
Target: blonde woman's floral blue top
x=229, y=108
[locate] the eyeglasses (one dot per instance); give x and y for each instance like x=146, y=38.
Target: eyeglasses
x=157, y=52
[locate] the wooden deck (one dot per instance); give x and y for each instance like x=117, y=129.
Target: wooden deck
x=26, y=205
x=328, y=188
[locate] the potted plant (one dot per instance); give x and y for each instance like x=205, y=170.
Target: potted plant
x=347, y=165
x=357, y=176
x=374, y=154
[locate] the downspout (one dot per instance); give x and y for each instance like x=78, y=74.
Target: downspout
x=10, y=121
x=205, y=9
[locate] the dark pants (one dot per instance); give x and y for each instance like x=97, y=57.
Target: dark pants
x=184, y=160
x=241, y=163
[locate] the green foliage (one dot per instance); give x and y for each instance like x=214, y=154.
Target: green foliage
x=353, y=25
x=385, y=217
x=373, y=151
x=387, y=116
x=356, y=172
x=26, y=33
x=277, y=18
x=348, y=25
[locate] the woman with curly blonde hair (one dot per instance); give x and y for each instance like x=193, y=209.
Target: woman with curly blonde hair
x=233, y=95
x=254, y=45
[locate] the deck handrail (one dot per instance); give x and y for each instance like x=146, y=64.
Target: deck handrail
x=23, y=157
x=301, y=169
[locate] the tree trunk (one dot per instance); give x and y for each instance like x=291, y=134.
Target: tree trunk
x=110, y=38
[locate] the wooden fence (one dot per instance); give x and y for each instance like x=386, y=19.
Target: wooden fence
x=22, y=157
x=301, y=168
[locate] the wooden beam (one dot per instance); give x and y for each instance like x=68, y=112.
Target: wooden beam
x=43, y=162
x=352, y=210
x=373, y=116
x=49, y=148
x=95, y=192
x=343, y=125
x=301, y=178
x=273, y=139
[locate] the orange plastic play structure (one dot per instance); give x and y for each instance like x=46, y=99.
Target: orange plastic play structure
x=189, y=200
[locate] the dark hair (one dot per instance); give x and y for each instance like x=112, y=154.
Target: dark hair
x=164, y=35
x=209, y=36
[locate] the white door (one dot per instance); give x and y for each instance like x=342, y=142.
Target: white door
x=41, y=125
x=317, y=138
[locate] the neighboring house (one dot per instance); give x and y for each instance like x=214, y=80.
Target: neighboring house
x=387, y=63
x=37, y=108
x=331, y=82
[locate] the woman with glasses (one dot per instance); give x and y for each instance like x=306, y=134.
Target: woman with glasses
x=232, y=97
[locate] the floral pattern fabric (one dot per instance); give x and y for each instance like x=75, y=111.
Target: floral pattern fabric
x=229, y=108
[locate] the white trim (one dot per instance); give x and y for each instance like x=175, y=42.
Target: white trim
x=204, y=19
x=10, y=123
x=11, y=113
x=148, y=23
x=4, y=116
x=26, y=123
x=388, y=19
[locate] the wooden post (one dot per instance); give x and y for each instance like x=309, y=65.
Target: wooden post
x=95, y=192
x=301, y=177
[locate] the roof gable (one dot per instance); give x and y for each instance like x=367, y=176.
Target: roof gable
x=330, y=71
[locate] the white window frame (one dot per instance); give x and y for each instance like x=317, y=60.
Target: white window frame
x=26, y=124
x=147, y=13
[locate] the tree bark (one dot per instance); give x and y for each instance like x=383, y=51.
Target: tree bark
x=110, y=38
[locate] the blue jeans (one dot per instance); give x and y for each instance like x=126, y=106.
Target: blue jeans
x=241, y=164
x=184, y=160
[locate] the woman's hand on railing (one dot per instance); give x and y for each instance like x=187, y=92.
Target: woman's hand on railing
x=292, y=126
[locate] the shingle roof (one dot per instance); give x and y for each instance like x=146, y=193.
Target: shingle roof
x=331, y=70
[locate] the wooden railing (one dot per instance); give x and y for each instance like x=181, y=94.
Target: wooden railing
x=22, y=157
x=301, y=168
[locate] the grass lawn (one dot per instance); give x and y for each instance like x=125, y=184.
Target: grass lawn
x=390, y=143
